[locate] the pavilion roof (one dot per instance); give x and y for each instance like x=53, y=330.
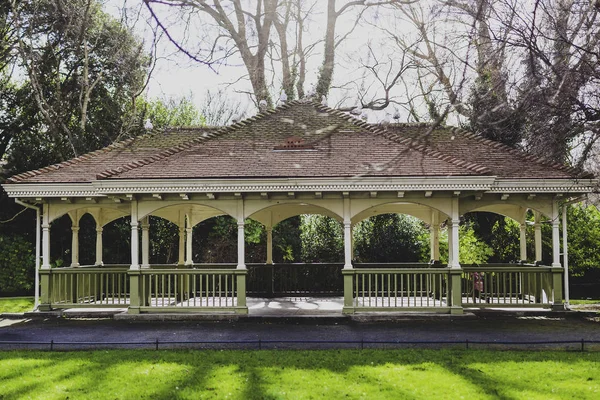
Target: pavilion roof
x=301, y=139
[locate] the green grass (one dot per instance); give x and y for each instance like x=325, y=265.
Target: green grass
x=577, y=302
x=328, y=374
x=15, y=304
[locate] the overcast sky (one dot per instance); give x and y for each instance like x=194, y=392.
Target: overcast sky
x=176, y=76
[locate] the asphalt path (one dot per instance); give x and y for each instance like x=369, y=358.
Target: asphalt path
x=514, y=332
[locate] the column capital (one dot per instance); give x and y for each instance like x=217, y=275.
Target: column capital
x=241, y=224
x=99, y=230
x=75, y=228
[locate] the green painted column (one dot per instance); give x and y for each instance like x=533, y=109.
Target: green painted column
x=348, y=274
x=455, y=286
x=135, y=287
x=45, y=290
x=557, y=292
x=241, y=291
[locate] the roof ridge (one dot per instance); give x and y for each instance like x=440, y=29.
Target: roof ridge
x=192, y=142
x=410, y=143
x=544, y=161
x=73, y=161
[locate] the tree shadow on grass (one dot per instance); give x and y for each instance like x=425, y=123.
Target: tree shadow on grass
x=260, y=374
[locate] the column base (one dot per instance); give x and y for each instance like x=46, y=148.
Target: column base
x=558, y=307
x=44, y=307
x=133, y=310
x=456, y=310
x=348, y=310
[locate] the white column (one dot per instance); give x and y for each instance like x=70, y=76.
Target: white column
x=555, y=236
x=135, y=249
x=455, y=223
x=450, y=247
x=352, y=241
x=46, y=237
x=269, y=245
x=565, y=253
x=523, y=241
x=241, y=245
x=99, y=231
x=146, y=242
x=347, y=235
x=181, y=258
x=75, y=245
x=434, y=236
x=537, y=227
x=188, y=240
x=241, y=239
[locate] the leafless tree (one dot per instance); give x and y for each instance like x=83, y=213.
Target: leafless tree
x=273, y=29
x=525, y=74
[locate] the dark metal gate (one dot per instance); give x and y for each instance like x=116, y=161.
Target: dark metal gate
x=277, y=280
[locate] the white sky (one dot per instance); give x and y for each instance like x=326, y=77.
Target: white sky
x=176, y=76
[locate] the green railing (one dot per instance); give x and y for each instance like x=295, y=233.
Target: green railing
x=511, y=286
x=172, y=290
x=401, y=289
x=88, y=286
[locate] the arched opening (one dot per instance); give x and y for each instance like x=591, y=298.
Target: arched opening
x=87, y=240
x=117, y=233
x=307, y=259
x=388, y=238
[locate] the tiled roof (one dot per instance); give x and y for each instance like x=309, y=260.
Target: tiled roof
x=300, y=139
x=85, y=168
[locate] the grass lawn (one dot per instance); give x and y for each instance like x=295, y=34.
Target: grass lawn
x=589, y=301
x=16, y=304
x=281, y=374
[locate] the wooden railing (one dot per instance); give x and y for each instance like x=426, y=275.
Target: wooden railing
x=366, y=287
x=510, y=285
x=167, y=290
x=385, y=289
x=88, y=286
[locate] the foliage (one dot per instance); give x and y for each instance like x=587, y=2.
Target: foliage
x=472, y=250
x=390, y=238
x=506, y=244
x=274, y=374
x=16, y=304
x=287, y=244
x=172, y=112
x=583, y=232
x=322, y=239
x=83, y=70
x=163, y=241
x=17, y=265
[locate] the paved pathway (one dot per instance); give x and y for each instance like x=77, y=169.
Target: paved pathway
x=278, y=333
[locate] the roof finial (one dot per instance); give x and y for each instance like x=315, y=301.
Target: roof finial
x=283, y=98
x=148, y=125
x=356, y=110
x=262, y=105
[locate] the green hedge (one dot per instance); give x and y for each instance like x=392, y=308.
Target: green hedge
x=17, y=265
